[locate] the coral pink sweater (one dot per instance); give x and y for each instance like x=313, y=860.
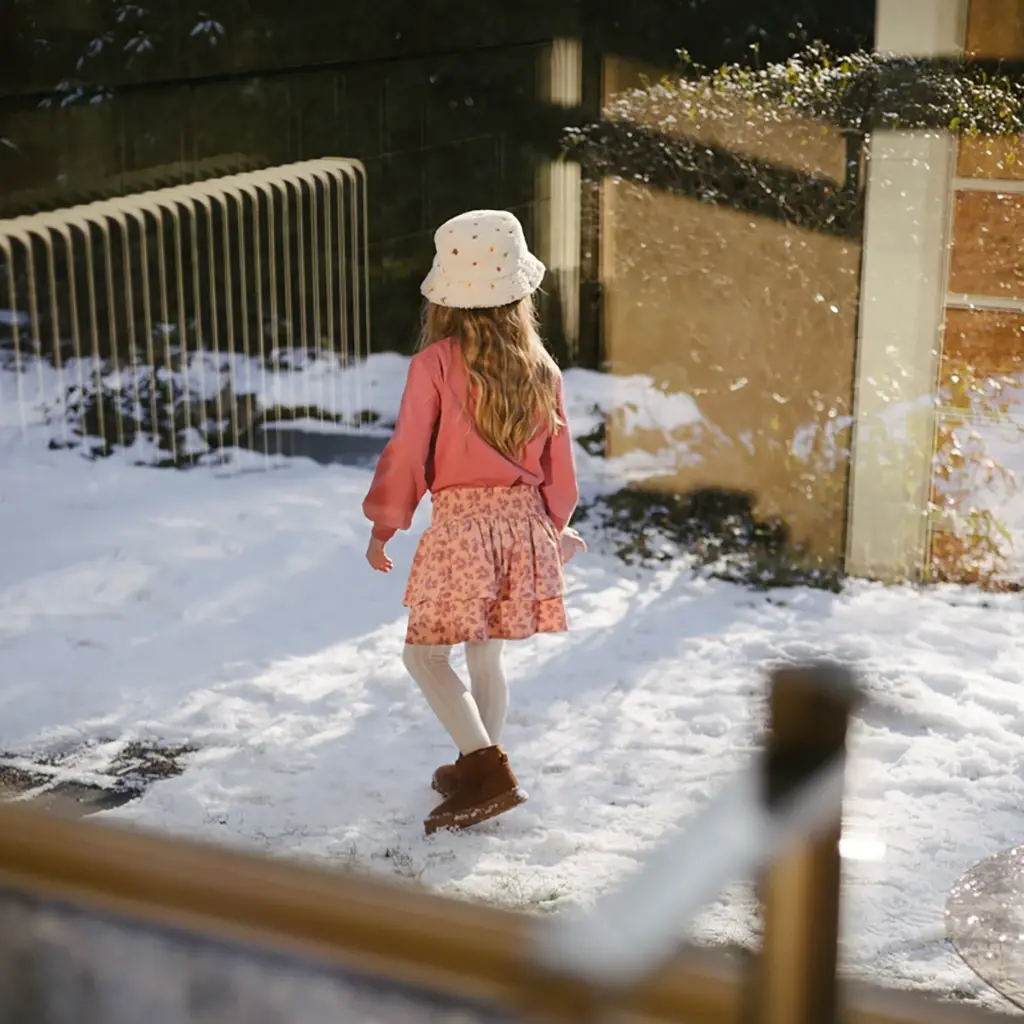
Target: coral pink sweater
x=434, y=408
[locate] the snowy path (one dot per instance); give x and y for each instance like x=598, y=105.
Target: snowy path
x=234, y=612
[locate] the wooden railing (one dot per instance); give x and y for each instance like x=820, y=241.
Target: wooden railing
x=104, y=925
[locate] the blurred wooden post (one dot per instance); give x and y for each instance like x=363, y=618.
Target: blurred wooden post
x=795, y=976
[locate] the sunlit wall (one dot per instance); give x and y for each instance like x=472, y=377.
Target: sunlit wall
x=752, y=318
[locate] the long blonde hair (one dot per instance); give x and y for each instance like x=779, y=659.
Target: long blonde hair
x=513, y=380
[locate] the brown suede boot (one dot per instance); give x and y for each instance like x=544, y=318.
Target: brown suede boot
x=484, y=788
x=446, y=778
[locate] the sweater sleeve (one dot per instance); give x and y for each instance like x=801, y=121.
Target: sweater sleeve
x=560, y=489
x=400, y=480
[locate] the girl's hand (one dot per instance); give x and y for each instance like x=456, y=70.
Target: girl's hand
x=378, y=557
x=571, y=543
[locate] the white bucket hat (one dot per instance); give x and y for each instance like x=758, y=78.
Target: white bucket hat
x=482, y=260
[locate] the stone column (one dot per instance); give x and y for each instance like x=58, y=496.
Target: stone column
x=559, y=194
x=903, y=287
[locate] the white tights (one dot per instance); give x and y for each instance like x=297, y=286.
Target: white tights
x=474, y=718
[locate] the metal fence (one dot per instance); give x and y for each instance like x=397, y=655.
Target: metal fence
x=184, y=320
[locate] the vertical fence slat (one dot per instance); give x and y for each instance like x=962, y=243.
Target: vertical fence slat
x=165, y=327
x=260, y=322
x=345, y=335
x=795, y=980
x=97, y=362
x=275, y=334
x=183, y=353
x=55, y=343
x=300, y=251
x=33, y=314
x=314, y=248
x=289, y=312
x=81, y=370
x=245, y=407
x=361, y=224
x=204, y=201
x=129, y=307
x=229, y=303
x=334, y=359
x=15, y=314
x=198, y=322
x=112, y=339
x=139, y=217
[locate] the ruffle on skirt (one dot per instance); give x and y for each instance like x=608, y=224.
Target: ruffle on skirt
x=488, y=567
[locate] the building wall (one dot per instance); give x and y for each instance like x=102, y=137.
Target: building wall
x=983, y=317
x=752, y=318
x=443, y=103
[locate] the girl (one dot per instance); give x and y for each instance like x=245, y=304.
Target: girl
x=482, y=426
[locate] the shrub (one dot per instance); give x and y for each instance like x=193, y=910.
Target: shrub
x=972, y=486
x=159, y=407
x=858, y=92
x=716, y=529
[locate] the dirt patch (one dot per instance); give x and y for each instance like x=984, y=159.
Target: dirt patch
x=55, y=783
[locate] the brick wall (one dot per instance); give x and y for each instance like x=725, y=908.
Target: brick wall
x=983, y=335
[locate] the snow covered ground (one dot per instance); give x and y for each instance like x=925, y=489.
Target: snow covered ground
x=230, y=608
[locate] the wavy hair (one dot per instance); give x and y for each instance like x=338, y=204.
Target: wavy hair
x=513, y=381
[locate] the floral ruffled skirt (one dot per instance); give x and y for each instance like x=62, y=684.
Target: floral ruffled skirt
x=488, y=567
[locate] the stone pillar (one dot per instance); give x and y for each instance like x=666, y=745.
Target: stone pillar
x=903, y=288
x=559, y=194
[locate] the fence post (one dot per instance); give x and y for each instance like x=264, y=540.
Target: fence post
x=795, y=976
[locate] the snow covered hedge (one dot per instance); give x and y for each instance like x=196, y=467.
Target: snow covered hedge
x=858, y=92
x=865, y=91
